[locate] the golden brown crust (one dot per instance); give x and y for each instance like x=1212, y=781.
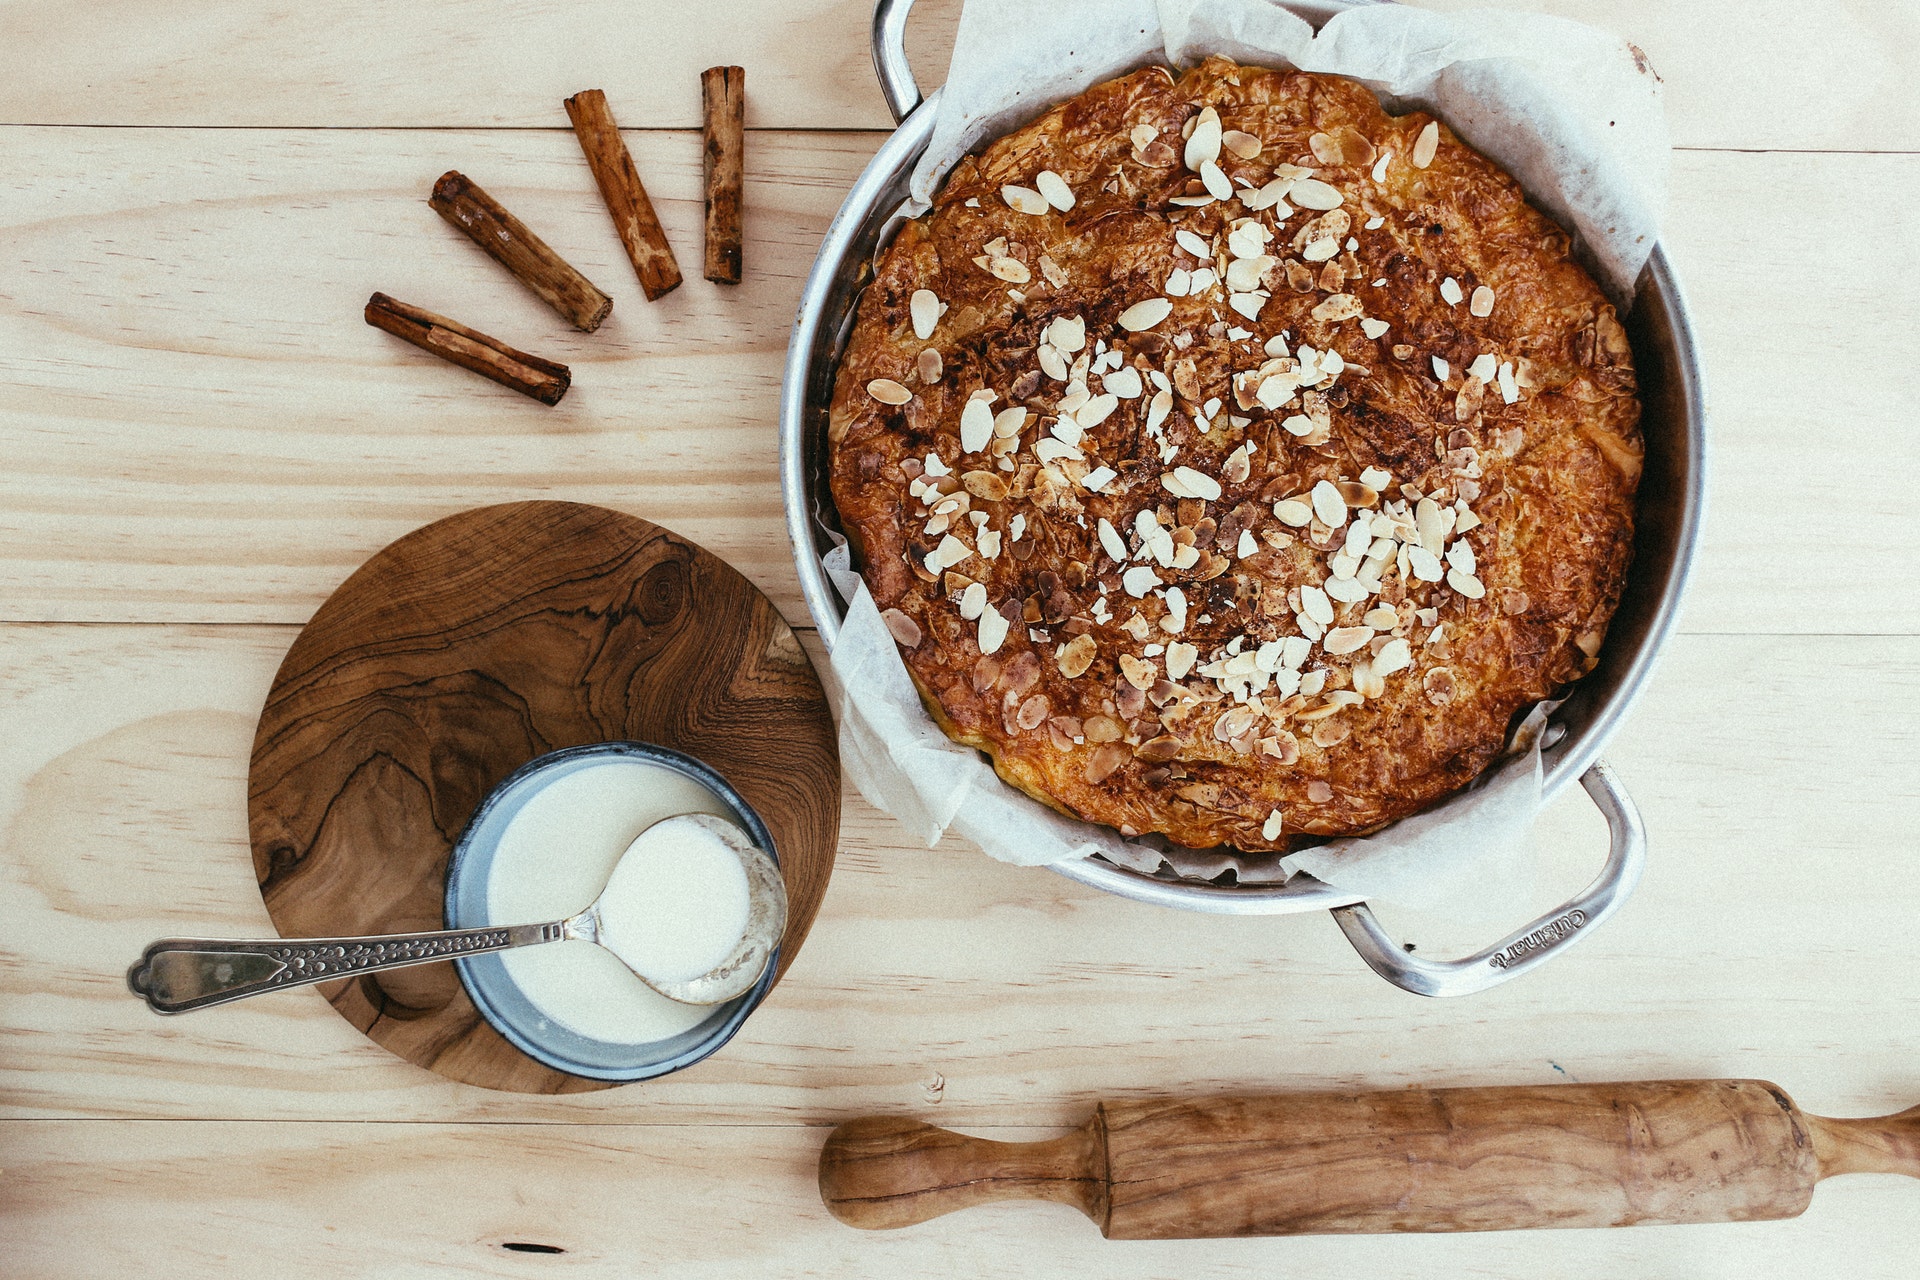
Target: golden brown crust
x=1527, y=465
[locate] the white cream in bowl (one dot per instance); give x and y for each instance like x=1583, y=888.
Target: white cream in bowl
x=676, y=909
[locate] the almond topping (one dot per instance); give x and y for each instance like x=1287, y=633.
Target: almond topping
x=993, y=631
x=1054, y=189
x=1329, y=505
x=1012, y=270
x=1138, y=672
x=1145, y=314
x=1482, y=302
x=1271, y=828
x=1311, y=193
x=1342, y=640
x=925, y=308
x=1426, y=145
x=1076, y=656
x=1292, y=512
x=1180, y=659
x=929, y=366
x=1466, y=584
x=904, y=630
x=1197, y=484
x=1450, y=292
x=1216, y=181
x=1240, y=143
x=976, y=425
x=1203, y=144
x=1340, y=306
x=1024, y=200
x=887, y=391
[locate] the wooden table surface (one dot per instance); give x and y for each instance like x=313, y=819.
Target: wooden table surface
x=199, y=439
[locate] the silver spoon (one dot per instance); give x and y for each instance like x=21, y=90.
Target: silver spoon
x=175, y=975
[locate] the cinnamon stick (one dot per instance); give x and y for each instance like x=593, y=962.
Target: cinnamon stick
x=460, y=201
x=544, y=380
x=723, y=95
x=625, y=198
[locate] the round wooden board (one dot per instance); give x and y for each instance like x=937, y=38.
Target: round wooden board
x=466, y=649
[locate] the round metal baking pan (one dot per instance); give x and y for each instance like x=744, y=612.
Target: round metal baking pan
x=1670, y=507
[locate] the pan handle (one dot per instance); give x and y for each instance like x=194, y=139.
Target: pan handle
x=1533, y=944
x=890, y=57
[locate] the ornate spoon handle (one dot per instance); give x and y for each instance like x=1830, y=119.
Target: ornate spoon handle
x=175, y=975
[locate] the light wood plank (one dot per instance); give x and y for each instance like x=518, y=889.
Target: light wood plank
x=431, y=1200
x=942, y=982
x=94, y=1198
x=1835, y=74
x=198, y=427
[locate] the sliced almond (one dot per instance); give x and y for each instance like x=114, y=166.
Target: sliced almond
x=1315, y=605
x=1076, y=656
x=1139, y=580
x=1054, y=189
x=1216, y=181
x=1143, y=134
x=1068, y=333
x=1198, y=484
x=1180, y=659
x=1450, y=292
x=1145, y=314
x=904, y=630
x=1481, y=304
x=1012, y=270
x=929, y=366
x=973, y=601
x=1342, y=640
x=1111, y=542
x=1009, y=422
x=1240, y=143
x=1138, y=672
x=1374, y=328
x=925, y=308
x=1329, y=505
x=887, y=391
x=1338, y=307
x=1052, y=363
x=993, y=631
x=1203, y=144
x=976, y=425
x=1292, y=512
x=1024, y=199
x=1311, y=193
x=1193, y=244
x=1466, y=584
x=1426, y=145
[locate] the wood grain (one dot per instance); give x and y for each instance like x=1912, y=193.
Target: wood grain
x=465, y=650
x=713, y=1202
x=258, y=444
x=1421, y=1160
x=1835, y=74
x=942, y=984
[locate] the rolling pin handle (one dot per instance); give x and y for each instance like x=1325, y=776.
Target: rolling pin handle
x=1877, y=1144
x=882, y=1172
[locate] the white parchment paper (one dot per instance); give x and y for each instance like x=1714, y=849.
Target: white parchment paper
x=1571, y=112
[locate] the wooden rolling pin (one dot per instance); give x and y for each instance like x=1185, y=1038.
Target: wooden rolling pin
x=1573, y=1155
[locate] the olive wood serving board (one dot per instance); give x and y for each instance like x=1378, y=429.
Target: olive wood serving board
x=466, y=649
x=1571, y=1155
